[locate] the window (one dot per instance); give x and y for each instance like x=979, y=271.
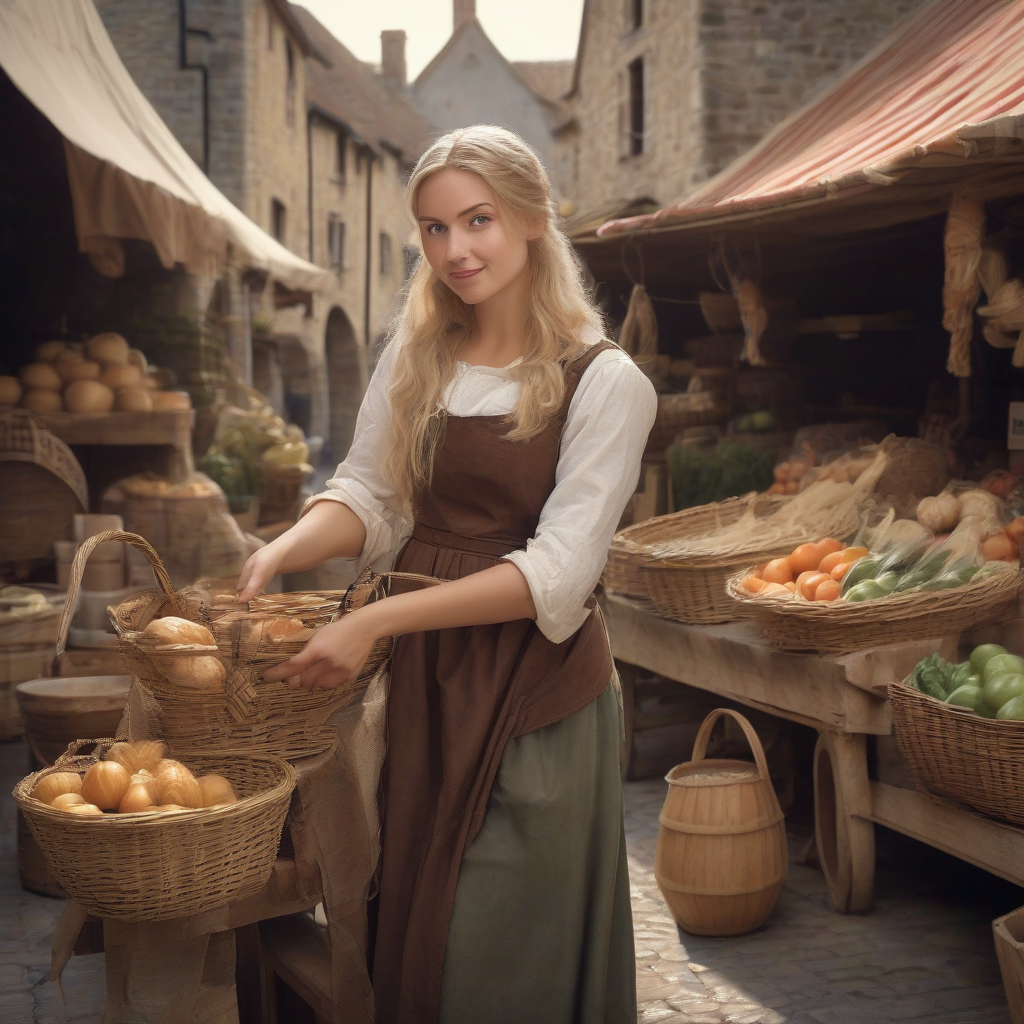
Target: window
x=385, y=254
x=336, y=241
x=341, y=157
x=636, y=13
x=278, y=219
x=289, y=111
x=410, y=255
x=636, y=107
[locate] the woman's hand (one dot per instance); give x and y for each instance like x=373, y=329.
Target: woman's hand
x=331, y=658
x=258, y=571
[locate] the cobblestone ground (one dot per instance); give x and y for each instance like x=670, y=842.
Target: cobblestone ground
x=925, y=952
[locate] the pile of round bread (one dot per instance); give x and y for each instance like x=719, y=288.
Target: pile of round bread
x=133, y=778
x=99, y=376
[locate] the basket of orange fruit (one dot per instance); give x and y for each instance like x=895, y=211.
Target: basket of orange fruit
x=831, y=597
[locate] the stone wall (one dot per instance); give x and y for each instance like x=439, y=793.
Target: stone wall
x=760, y=61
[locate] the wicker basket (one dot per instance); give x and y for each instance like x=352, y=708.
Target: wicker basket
x=838, y=626
x=43, y=487
x=250, y=714
x=956, y=753
x=280, y=492
x=693, y=590
x=155, y=866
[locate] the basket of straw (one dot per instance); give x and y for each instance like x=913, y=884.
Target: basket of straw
x=204, y=671
x=954, y=752
x=168, y=860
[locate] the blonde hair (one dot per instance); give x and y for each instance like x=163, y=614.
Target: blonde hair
x=434, y=323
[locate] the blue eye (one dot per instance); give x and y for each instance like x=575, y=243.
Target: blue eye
x=431, y=231
x=480, y=219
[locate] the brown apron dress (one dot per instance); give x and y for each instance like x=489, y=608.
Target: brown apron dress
x=458, y=696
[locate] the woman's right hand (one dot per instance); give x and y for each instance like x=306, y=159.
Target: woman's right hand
x=258, y=571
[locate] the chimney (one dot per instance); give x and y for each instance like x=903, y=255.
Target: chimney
x=462, y=11
x=392, y=56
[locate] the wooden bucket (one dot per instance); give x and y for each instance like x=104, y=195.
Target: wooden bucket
x=722, y=855
x=57, y=712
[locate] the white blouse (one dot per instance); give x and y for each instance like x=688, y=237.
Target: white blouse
x=603, y=439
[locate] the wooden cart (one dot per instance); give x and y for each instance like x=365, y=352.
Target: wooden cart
x=843, y=698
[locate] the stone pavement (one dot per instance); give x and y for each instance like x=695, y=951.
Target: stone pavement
x=925, y=953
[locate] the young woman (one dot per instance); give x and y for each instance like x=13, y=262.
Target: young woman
x=496, y=447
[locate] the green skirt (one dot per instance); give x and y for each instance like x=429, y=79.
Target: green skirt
x=541, y=931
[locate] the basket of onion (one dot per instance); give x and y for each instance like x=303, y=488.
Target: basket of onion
x=829, y=597
x=135, y=835
x=205, y=670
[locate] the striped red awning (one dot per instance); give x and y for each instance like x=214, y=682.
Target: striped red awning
x=946, y=86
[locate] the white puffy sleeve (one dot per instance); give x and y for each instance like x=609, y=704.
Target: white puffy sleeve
x=603, y=440
x=359, y=481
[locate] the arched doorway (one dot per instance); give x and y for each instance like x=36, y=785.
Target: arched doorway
x=345, y=381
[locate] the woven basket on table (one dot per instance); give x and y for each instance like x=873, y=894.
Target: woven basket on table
x=692, y=590
x=248, y=714
x=834, y=627
x=152, y=866
x=956, y=753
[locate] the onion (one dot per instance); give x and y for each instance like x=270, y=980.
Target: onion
x=107, y=348
x=42, y=400
x=50, y=350
x=10, y=390
x=140, y=796
x=105, y=785
x=172, y=807
x=66, y=800
x=77, y=368
x=88, y=396
x=179, y=401
x=198, y=672
x=175, y=784
x=121, y=375
x=88, y=809
x=216, y=790
x=142, y=755
x=173, y=629
x=56, y=784
x=40, y=375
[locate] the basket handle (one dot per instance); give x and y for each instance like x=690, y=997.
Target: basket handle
x=87, y=547
x=700, y=744
x=412, y=577
x=76, y=745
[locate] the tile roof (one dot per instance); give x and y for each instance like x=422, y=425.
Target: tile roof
x=549, y=79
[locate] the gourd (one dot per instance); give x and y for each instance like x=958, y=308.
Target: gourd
x=939, y=514
x=66, y=800
x=121, y=375
x=173, y=629
x=216, y=790
x=105, y=784
x=40, y=375
x=56, y=784
x=88, y=396
x=10, y=390
x=107, y=348
x=133, y=399
x=42, y=400
x=175, y=784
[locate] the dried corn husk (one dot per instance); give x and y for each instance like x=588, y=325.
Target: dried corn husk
x=965, y=228
x=997, y=339
x=992, y=269
x=754, y=315
x=639, y=334
x=1005, y=308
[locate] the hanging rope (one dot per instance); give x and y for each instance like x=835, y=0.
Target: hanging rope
x=961, y=287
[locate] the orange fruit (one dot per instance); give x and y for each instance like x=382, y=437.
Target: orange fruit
x=808, y=582
x=805, y=558
x=829, y=546
x=852, y=554
x=774, y=590
x=791, y=587
x=753, y=585
x=840, y=570
x=830, y=561
x=778, y=570
x=827, y=590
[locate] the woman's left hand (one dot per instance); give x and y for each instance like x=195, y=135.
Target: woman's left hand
x=331, y=658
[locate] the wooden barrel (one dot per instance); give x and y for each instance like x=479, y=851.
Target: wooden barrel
x=722, y=855
x=57, y=712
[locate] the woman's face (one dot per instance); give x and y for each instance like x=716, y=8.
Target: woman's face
x=465, y=238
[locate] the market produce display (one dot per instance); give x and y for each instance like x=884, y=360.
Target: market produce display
x=100, y=376
x=731, y=469
x=134, y=778
x=990, y=683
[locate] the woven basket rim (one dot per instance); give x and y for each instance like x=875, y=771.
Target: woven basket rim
x=832, y=613
x=906, y=692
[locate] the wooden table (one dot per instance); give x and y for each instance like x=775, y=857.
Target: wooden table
x=843, y=698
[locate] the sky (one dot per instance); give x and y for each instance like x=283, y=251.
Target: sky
x=513, y=26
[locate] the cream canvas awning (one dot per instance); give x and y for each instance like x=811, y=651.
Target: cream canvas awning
x=129, y=175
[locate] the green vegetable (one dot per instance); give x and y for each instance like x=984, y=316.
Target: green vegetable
x=861, y=570
x=924, y=571
x=999, y=689
x=1002, y=664
x=969, y=697
x=932, y=675
x=700, y=477
x=869, y=590
x=763, y=422
x=981, y=656
x=887, y=581
x=962, y=676
x=1012, y=710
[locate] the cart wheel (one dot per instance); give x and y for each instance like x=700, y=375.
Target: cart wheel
x=845, y=837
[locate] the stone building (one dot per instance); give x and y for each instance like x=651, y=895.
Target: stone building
x=665, y=93
x=470, y=82
x=314, y=146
